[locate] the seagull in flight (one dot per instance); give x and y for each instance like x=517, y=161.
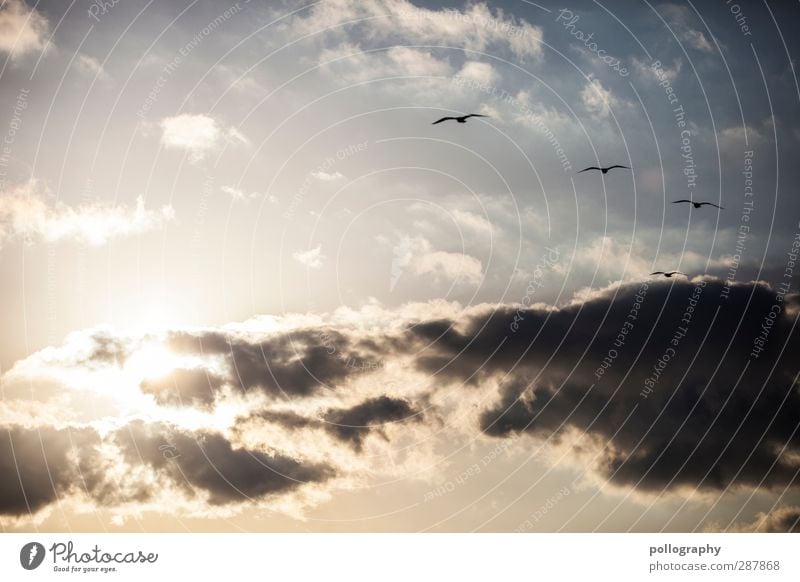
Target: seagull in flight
x=604, y=170
x=669, y=274
x=698, y=204
x=462, y=119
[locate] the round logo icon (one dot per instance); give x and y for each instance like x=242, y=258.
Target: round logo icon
x=31, y=555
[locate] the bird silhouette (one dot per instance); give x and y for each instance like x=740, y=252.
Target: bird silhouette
x=698, y=204
x=604, y=170
x=462, y=119
x=669, y=274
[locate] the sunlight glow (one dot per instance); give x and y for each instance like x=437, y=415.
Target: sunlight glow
x=150, y=362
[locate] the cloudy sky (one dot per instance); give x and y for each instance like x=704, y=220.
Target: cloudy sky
x=248, y=286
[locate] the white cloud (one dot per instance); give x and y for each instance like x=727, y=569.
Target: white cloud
x=417, y=256
x=736, y=137
x=22, y=29
x=475, y=27
x=235, y=135
x=680, y=17
x=351, y=64
x=611, y=258
x=482, y=73
x=698, y=40
x=669, y=73
x=597, y=99
x=90, y=66
x=26, y=213
x=417, y=62
x=327, y=176
x=311, y=258
x=238, y=194
x=472, y=221
x=555, y=124
x=197, y=134
x=451, y=266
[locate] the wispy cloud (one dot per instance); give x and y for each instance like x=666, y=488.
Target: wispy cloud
x=597, y=99
x=29, y=214
x=312, y=258
x=476, y=27
x=197, y=134
x=327, y=176
x=238, y=194
x=90, y=66
x=683, y=20
x=417, y=256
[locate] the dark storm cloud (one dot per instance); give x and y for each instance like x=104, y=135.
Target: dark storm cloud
x=677, y=384
x=185, y=387
x=349, y=425
x=41, y=466
x=781, y=520
x=691, y=422
x=107, y=349
x=353, y=424
x=207, y=461
x=296, y=363
x=651, y=369
x=38, y=467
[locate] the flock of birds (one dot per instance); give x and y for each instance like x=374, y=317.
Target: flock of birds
x=667, y=274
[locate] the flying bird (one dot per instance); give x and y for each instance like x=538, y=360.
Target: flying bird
x=462, y=119
x=604, y=170
x=669, y=274
x=698, y=204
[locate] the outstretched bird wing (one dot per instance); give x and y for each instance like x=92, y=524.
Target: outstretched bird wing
x=589, y=168
x=442, y=119
x=712, y=204
x=475, y=115
x=658, y=273
x=677, y=201
x=617, y=166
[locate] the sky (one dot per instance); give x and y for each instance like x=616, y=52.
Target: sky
x=248, y=285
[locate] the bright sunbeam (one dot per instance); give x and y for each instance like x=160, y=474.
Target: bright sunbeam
x=150, y=362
